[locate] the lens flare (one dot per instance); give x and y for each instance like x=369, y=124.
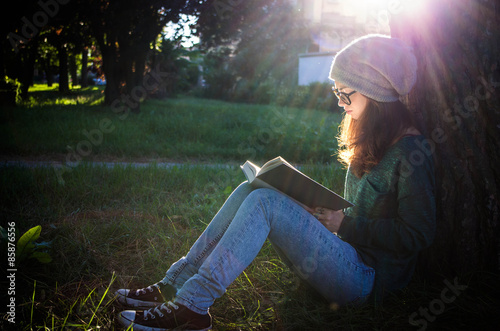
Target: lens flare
x=414, y=7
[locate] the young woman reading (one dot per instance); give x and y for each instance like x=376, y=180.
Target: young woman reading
x=364, y=251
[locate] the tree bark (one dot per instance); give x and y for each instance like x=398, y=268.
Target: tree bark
x=134, y=65
x=25, y=60
x=63, y=69
x=84, y=74
x=457, y=104
x=73, y=70
x=112, y=74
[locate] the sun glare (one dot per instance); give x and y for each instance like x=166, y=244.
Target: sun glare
x=183, y=30
x=376, y=14
x=414, y=7
x=394, y=7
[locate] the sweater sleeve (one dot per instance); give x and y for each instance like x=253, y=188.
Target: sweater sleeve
x=413, y=225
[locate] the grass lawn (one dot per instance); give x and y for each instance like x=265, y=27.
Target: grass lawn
x=118, y=227
x=77, y=128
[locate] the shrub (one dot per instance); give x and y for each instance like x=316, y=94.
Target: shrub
x=314, y=96
x=10, y=92
x=219, y=79
x=317, y=96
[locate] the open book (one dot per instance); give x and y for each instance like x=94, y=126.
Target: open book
x=282, y=176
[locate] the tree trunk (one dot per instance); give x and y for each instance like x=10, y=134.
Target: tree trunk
x=26, y=59
x=458, y=106
x=2, y=63
x=84, y=75
x=49, y=75
x=112, y=74
x=63, y=69
x=128, y=64
x=73, y=70
x=135, y=65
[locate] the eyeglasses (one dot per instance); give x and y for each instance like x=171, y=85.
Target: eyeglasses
x=343, y=96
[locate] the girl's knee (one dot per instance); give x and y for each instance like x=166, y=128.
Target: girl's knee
x=267, y=196
x=263, y=193
x=244, y=188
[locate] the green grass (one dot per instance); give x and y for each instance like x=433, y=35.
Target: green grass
x=76, y=126
x=122, y=227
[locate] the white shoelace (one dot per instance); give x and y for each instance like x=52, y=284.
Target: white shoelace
x=157, y=310
x=143, y=290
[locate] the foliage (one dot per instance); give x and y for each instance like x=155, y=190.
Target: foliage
x=10, y=92
x=317, y=96
x=29, y=25
x=227, y=22
x=28, y=248
x=125, y=31
x=179, y=64
x=217, y=74
x=254, y=53
x=47, y=63
x=270, y=40
x=251, y=55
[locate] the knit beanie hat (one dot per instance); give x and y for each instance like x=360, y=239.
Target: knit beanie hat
x=379, y=67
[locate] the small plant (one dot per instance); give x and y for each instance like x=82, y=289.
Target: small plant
x=28, y=248
x=10, y=91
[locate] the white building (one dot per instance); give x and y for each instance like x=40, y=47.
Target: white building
x=334, y=24
x=314, y=67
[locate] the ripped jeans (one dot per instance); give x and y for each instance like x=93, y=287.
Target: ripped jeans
x=238, y=231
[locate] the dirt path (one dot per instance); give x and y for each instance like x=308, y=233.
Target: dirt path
x=56, y=161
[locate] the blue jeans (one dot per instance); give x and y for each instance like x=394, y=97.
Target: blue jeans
x=237, y=233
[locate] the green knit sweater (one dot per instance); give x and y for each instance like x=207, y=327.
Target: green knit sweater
x=393, y=217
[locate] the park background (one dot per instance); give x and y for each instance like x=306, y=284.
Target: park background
x=124, y=124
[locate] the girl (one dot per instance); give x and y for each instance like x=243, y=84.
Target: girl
x=348, y=256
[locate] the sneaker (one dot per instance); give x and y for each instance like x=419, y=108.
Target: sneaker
x=147, y=297
x=164, y=317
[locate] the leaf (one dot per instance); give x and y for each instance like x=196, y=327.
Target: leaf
x=25, y=243
x=42, y=257
x=42, y=245
x=3, y=233
x=228, y=190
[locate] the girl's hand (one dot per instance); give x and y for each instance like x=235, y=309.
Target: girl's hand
x=331, y=219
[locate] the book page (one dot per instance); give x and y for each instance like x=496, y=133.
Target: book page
x=269, y=165
x=250, y=170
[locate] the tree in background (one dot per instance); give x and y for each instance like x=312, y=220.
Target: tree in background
x=19, y=45
x=125, y=31
x=458, y=107
x=253, y=48
x=28, y=25
x=47, y=63
x=218, y=75
x=69, y=35
x=179, y=67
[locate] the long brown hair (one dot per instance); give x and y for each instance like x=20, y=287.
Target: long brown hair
x=363, y=142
